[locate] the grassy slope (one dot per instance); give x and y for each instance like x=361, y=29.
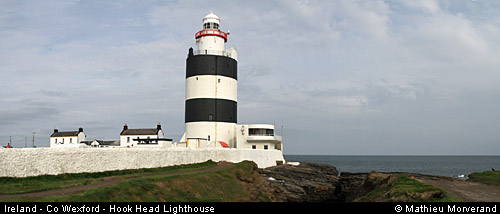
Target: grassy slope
x=222, y=185
x=47, y=182
x=402, y=187
x=487, y=177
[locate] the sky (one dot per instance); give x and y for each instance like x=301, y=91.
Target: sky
x=335, y=77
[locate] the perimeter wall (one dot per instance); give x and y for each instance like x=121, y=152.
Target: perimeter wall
x=24, y=162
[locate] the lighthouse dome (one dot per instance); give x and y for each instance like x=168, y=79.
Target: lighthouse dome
x=211, y=17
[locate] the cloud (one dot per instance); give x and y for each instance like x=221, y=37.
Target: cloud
x=364, y=75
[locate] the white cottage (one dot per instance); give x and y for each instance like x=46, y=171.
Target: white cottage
x=67, y=138
x=143, y=137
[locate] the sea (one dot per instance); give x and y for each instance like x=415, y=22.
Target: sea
x=452, y=166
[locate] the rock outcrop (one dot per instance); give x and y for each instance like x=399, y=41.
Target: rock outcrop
x=313, y=182
x=352, y=186
x=307, y=182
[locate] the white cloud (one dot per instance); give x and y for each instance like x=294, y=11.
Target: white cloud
x=382, y=68
x=428, y=6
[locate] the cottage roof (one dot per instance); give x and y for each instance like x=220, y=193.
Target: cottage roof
x=103, y=142
x=65, y=134
x=140, y=132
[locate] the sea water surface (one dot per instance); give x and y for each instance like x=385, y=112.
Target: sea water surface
x=453, y=166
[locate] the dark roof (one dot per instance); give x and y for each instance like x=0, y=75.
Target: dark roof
x=65, y=134
x=103, y=142
x=140, y=132
x=152, y=139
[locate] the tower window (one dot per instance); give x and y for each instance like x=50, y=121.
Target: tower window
x=254, y=147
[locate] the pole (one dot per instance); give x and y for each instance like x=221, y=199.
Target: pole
x=33, y=139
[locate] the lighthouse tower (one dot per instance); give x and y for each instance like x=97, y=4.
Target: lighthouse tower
x=211, y=88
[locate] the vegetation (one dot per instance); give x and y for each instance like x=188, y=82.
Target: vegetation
x=48, y=182
x=227, y=184
x=219, y=185
x=487, y=177
x=216, y=186
x=403, y=188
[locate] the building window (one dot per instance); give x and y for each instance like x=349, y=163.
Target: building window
x=63, y=140
x=266, y=147
x=261, y=132
x=128, y=139
x=210, y=117
x=218, y=80
x=71, y=140
x=254, y=147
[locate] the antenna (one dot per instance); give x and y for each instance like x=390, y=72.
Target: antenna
x=282, y=132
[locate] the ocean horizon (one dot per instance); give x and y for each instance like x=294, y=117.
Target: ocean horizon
x=457, y=166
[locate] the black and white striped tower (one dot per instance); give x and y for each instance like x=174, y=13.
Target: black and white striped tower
x=211, y=86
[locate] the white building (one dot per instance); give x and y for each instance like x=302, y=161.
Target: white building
x=67, y=138
x=102, y=143
x=211, y=97
x=258, y=136
x=144, y=137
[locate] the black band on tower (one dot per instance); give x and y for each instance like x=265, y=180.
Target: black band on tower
x=210, y=110
x=211, y=65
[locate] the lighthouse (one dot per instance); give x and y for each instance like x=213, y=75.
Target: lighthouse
x=211, y=88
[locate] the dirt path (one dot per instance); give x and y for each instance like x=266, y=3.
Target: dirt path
x=108, y=181
x=463, y=190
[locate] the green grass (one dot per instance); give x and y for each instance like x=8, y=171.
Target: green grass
x=400, y=187
x=218, y=186
x=487, y=177
x=48, y=182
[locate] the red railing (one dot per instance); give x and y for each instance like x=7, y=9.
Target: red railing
x=211, y=33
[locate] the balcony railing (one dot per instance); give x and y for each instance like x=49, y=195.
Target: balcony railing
x=211, y=33
x=269, y=137
x=213, y=52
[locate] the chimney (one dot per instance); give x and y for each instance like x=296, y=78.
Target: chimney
x=125, y=127
x=80, y=129
x=190, y=52
x=158, y=127
x=55, y=130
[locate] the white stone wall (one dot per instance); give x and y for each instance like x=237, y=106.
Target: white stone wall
x=24, y=162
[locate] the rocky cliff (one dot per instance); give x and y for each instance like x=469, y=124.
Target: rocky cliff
x=313, y=182
x=307, y=182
